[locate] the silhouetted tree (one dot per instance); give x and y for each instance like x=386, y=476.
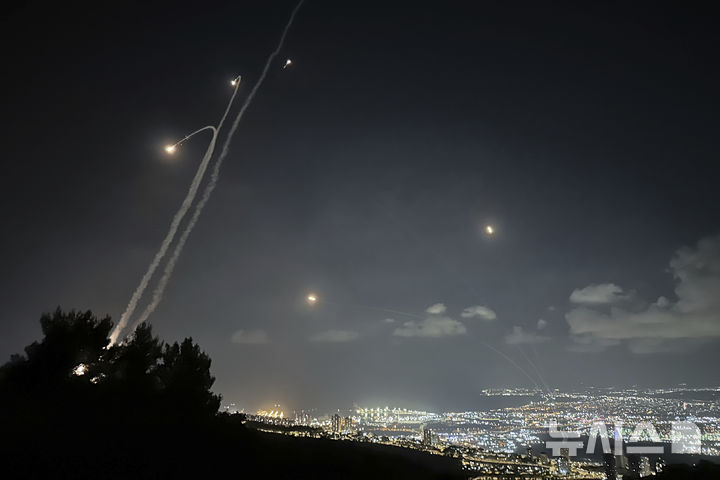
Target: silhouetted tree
x=72, y=383
x=69, y=339
x=185, y=376
x=42, y=387
x=72, y=407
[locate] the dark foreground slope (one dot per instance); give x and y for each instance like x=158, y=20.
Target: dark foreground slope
x=226, y=449
x=704, y=470
x=70, y=407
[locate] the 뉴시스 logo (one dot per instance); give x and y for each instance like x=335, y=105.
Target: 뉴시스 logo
x=685, y=438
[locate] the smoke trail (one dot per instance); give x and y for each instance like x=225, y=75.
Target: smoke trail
x=512, y=362
x=446, y=264
x=537, y=362
x=408, y=314
x=184, y=207
x=162, y=284
x=503, y=355
x=532, y=364
x=166, y=241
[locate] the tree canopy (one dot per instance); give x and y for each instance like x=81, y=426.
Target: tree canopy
x=71, y=380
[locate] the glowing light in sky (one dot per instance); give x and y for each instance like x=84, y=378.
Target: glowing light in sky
x=170, y=149
x=489, y=229
x=80, y=370
x=312, y=299
x=177, y=219
x=288, y=62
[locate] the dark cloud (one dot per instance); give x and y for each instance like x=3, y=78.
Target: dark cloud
x=662, y=325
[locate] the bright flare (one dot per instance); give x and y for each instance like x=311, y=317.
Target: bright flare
x=170, y=149
x=489, y=230
x=288, y=62
x=312, y=299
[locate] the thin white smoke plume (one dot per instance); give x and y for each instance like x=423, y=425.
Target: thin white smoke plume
x=167, y=273
x=179, y=215
x=165, y=243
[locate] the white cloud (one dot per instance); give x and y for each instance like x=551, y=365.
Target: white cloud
x=597, y=294
x=664, y=325
x=335, y=336
x=654, y=345
x=431, y=327
x=521, y=337
x=589, y=344
x=662, y=302
x=479, y=311
x=389, y=320
x=436, y=325
x=541, y=324
x=437, y=309
x=254, y=337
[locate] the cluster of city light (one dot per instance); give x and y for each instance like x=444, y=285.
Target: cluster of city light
x=495, y=442
x=270, y=413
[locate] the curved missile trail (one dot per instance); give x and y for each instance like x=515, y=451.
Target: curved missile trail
x=184, y=207
x=166, y=241
x=162, y=284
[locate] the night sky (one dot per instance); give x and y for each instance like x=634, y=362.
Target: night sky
x=587, y=135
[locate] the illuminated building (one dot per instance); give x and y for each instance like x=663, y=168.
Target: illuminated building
x=346, y=424
x=563, y=464
x=429, y=438
x=644, y=467
x=275, y=412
